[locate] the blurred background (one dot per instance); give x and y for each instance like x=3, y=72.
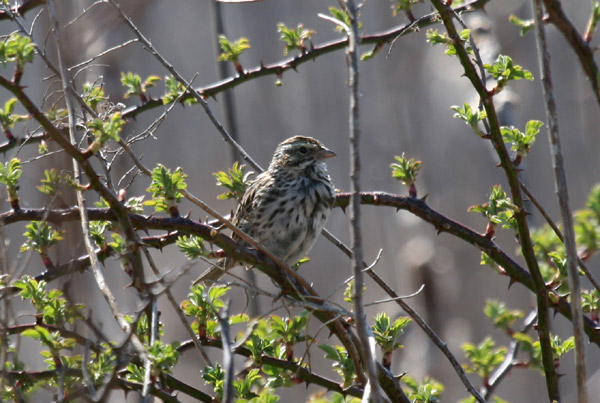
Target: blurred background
x=406, y=95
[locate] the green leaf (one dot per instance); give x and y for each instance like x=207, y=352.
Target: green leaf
x=231, y=51
x=38, y=333
x=93, y=95
x=435, y=38
x=501, y=316
x=524, y=25
x=135, y=373
x=294, y=38
x=504, y=70
x=118, y=243
x=51, y=183
x=471, y=116
x=192, y=246
x=484, y=357
x=289, y=330
x=104, y=130
x=236, y=180
x=134, y=85
x=175, y=90
x=10, y=172
x=504, y=67
x=7, y=117
x=40, y=236
x=590, y=301
x=342, y=363
x=16, y=49
x=499, y=209
x=428, y=391
x=387, y=334
x=216, y=378
x=163, y=357
x=166, y=188
x=342, y=16
x=405, y=170
x=593, y=202
x=521, y=142
x=403, y=5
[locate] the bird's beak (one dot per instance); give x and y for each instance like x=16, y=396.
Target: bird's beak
x=325, y=153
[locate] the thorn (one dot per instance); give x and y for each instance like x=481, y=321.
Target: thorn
x=344, y=209
x=424, y=197
x=511, y=282
x=262, y=65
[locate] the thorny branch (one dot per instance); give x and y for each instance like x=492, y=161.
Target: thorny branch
x=510, y=171
x=440, y=222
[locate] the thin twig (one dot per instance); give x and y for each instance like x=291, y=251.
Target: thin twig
x=153, y=329
x=107, y=51
x=228, y=363
x=80, y=200
x=226, y=136
x=582, y=49
x=559, y=234
x=279, y=68
x=560, y=180
x=373, y=392
x=509, y=361
x=383, y=301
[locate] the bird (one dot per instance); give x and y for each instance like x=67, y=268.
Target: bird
x=285, y=207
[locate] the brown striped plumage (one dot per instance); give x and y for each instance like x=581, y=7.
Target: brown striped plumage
x=286, y=207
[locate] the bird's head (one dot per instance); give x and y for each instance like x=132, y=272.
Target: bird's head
x=299, y=152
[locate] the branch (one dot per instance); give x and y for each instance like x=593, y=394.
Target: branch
x=130, y=234
x=543, y=328
x=509, y=361
x=559, y=234
x=303, y=373
x=18, y=329
x=444, y=224
x=560, y=180
x=581, y=48
x=18, y=141
x=373, y=392
x=175, y=226
x=95, y=182
x=277, y=69
x=35, y=376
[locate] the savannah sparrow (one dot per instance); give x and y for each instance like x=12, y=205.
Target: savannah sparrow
x=285, y=207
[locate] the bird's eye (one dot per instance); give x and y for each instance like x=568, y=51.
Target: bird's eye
x=303, y=150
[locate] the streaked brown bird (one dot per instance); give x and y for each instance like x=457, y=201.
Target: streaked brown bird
x=286, y=206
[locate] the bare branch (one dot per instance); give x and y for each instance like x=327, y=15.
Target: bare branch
x=560, y=180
